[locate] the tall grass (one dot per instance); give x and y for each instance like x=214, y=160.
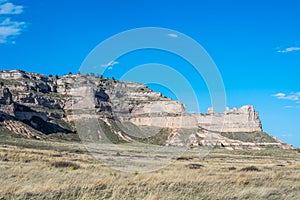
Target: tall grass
x=28, y=173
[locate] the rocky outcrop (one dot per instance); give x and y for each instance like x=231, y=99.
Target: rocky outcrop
x=244, y=119
x=130, y=111
x=6, y=102
x=12, y=74
x=35, y=99
x=18, y=117
x=5, y=96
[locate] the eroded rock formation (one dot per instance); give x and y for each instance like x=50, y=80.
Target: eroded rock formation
x=32, y=104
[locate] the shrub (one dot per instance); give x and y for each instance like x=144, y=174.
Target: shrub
x=136, y=173
x=250, y=168
x=65, y=164
x=184, y=158
x=194, y=166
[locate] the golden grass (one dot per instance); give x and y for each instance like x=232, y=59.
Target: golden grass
x=28, y=173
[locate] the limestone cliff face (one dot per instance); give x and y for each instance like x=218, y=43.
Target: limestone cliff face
x=244, y=119
x=33, y=105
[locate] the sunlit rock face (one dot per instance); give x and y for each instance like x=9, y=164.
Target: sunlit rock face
x=244, y=119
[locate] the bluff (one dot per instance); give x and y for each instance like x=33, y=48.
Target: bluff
x=34, y=105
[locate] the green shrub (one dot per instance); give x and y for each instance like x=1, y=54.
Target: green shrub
x=65, y=164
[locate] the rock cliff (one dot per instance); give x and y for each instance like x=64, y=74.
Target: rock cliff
x=34, y=105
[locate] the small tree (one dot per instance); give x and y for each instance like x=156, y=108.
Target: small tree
x=50, y=75
x=78, y=73
x=56, y=76
x=1, y=84
x=70, y=73
x=92, y=74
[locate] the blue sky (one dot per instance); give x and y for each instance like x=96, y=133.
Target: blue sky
x=255, y=45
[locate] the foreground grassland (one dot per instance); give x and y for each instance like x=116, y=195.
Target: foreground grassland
x=31, y=169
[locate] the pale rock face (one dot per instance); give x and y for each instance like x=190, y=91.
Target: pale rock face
x=158, y=107
x=244, y=119
x=183, y=121
x=12, y=74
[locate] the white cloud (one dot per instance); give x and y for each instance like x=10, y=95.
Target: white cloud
x=294, y=96
x=173, y=35
x=9, y=29
x=289, y=49
x=7, y=8
x=279, y=95
x=110, y=64
x=289, y=107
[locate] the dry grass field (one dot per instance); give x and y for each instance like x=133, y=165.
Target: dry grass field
x=31, y=169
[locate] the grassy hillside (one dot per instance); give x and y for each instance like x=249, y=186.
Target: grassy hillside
x=33, y=169
x=249, y=137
